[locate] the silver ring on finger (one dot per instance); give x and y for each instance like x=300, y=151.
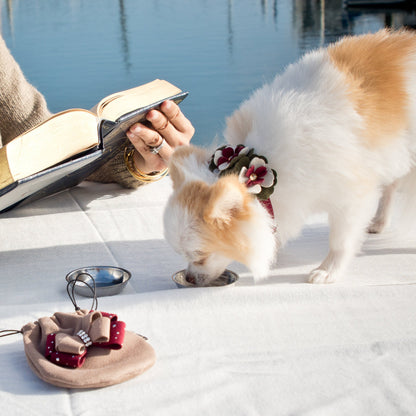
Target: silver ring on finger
x=155, y=150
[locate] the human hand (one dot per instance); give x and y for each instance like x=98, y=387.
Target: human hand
x=170, y=127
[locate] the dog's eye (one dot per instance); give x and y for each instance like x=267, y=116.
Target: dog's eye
x=201, y=258
x=200, y=262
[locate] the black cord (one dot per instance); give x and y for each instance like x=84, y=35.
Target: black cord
x=7, y=332
x=70, y=289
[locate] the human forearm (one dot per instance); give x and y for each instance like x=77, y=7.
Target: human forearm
x=21, y=105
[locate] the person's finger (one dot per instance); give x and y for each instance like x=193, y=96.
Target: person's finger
x=162, y=125
x=164, y=150
x=146, y=140
x=146, y=161
x=175, y=116
x=148, y=136
x=173, y=125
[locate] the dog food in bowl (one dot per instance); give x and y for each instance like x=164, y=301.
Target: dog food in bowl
x=227, y=278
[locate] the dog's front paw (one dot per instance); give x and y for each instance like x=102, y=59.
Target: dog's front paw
x=320, y=276
x=376, y=227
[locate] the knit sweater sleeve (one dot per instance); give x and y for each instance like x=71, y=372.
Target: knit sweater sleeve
x=115, y=171
x=22, y=107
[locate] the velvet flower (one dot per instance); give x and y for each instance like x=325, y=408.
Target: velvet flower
x=256, y=176
x=251, y=169
x=224, y=155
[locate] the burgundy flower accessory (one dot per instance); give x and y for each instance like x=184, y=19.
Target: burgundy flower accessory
x=224, y=155
x=85, y=348
x=252, y=170
x=257, y=176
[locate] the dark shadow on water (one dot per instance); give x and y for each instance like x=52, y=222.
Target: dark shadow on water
x=124, y=37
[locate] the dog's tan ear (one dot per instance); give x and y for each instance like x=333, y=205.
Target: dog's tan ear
x=180, y=159
x=227, y=201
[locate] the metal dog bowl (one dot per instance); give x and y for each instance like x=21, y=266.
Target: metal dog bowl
x=109, y=280
x=227, y=278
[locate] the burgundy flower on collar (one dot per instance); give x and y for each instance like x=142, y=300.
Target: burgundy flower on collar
x=224, y=155
x=251, y=169
x=256, y=176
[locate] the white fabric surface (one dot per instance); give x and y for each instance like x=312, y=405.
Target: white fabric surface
x=280, y=347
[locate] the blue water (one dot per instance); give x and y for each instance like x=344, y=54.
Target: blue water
x=77, y=51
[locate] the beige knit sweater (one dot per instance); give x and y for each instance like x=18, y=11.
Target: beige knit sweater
x=23, y=107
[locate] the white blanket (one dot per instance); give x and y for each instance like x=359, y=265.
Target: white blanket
x=279, y=347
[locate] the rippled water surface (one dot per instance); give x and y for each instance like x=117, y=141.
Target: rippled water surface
x=77, y=51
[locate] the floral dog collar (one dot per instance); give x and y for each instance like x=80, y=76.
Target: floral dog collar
x=251, y=169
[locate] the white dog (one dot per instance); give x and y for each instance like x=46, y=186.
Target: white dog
x=338, y=130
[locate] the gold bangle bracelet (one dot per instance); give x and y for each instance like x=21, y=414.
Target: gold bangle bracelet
x=137, y=173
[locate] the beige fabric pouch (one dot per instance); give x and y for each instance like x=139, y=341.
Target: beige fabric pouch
x=102, y=366
x=84, y=349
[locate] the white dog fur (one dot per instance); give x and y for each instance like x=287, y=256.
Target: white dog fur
x=339, y=128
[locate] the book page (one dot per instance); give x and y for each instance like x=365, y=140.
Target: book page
x=118, y=104
x=58, y=138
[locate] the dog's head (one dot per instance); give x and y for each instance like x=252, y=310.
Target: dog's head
x=214, y=221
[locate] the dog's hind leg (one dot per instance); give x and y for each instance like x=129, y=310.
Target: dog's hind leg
x=346, y=233
x=382, y=217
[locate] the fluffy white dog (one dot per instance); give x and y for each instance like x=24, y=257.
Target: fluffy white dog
x=335, y=133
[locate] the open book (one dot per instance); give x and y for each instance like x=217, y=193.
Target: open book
x=69, y=146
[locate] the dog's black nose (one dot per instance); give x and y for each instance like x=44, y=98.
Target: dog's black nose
x=190, y=279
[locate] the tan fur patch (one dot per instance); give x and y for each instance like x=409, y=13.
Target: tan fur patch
x=228, y=201
x=225, y=236
x=183, y=152
x=194, y=196
x=375, y=67
x=228, y=239
x=175, y=174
